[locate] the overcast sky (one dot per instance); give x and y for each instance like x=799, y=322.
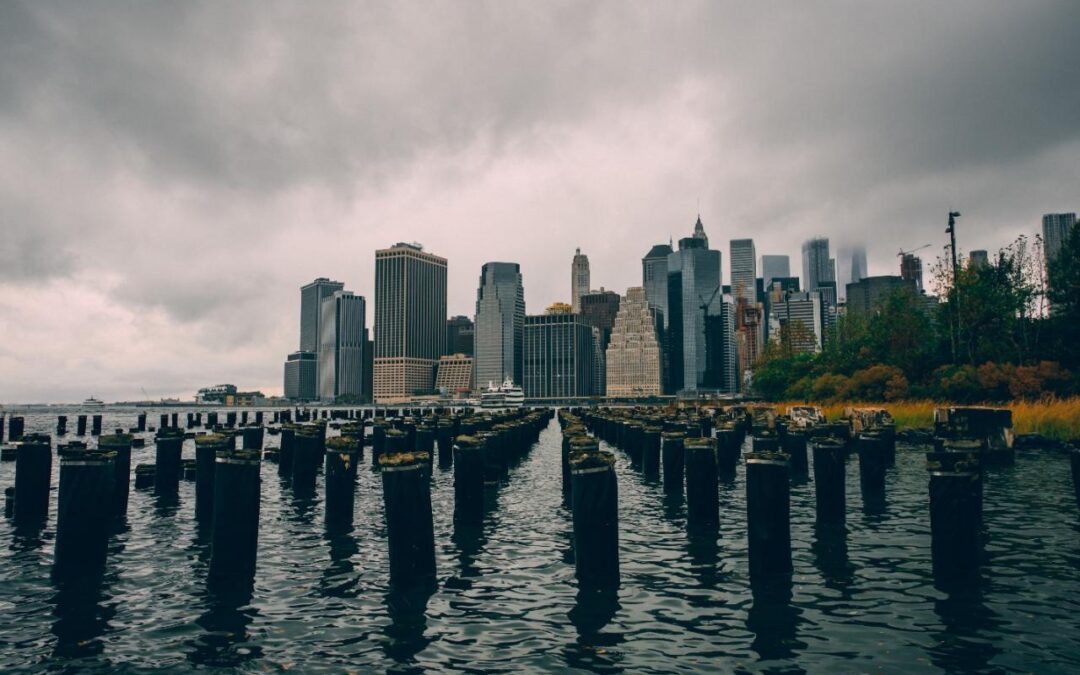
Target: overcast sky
x=172, y=172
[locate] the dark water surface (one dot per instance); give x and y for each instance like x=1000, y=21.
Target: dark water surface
x=507, y=600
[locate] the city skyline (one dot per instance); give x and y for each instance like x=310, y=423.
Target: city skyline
x=178, y=202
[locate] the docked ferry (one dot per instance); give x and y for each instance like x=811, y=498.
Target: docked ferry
x=93, y=403
x=508, y=395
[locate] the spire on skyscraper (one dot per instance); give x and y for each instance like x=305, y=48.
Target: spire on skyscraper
x=699, y=231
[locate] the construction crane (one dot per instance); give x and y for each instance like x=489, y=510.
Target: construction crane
x=903, y=253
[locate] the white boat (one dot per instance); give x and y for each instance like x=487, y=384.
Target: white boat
x=93, y=403
x=507, y=395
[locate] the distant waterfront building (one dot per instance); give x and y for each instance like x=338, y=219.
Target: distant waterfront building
x=654, y=275
x=460, y=334
x=1055, y=230
x=817, y=266
x=694, y=292
x=978, y=259
x=560, y=356
x=797, y=318
x=215, y=394
x=633, y=354
x=311, y=298
x=455, y=375
x=500, y=324
x=301, y=373
x=343, y=335
x=743, y=263
x=869, y=294
x=579, y=279
x=598, y=309
x=559, y=308
x=911, y=269
x=851, y=267
x=410, y=320
x=774, y=267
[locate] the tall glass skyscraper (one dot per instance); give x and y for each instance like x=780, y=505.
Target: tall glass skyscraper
x=311, y=299
x=775, y=267
x=500, y=324
x=410, y=320
x=654, y=278
x=743, y=263
x=343, y=334
x=1055, y=229
x=817, y=265
x=560, y=356
x=694, y=291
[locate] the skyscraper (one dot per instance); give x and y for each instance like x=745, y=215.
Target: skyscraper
x=743, y=263
x=978, y=259
x=815, y=261
x=500, y=324
x=579, y=279
x=721, y=354
x=851, y=264
x=654, y=278
x=795, y=321
x=694, y=291
x=311, y=299
x=343, y=335
x=1055, y=230
x=911, y=269
x=633, y=354
x=559, y=356
x=869, y=294
x=774, y=267
x=301, y=373
x=598, y=309
x=460, y=335
x=410, y=320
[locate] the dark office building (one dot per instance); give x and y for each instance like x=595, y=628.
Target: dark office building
x=460, y=336
x=868, y=294
x=301, y=370
x=560, y=356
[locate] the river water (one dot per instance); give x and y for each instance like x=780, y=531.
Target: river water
x=507, y=599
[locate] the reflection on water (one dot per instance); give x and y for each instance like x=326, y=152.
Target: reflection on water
x=830, y=551
x=966, y=639
x=596, y=649
x=82, y=609
x=773, y=620
x=339, y=579
x=405, y=636
x=226, y=641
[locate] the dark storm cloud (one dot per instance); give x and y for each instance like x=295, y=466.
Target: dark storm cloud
x=189, y=165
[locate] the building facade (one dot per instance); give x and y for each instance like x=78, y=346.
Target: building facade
x=500, y=325
x=579, y=279
x=796, y=321
x=410, y=320
x=868, y=295
x=460, y=335
x=301, y=374
x=694, y=292
x=311, y=298
x=343, y=337
x=817, y=265
x=559, y=356
x=455, y=375
x=911, y=269
x=774, y=267
x=599, y=309
x=633, y=353
x=1055, y=230
x=654, y=275
x=743, y=262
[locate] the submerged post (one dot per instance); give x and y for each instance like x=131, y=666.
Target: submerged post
x=80, y=425
x=33, y=472
x=650, y=452
x=672, y=456
x=595, y=504
x=702, y=497
x=342, y=456
x=728, y=451
x=206, y=449
x=469, y=480
x=794, y=445
x=410, y=529
x=120, y=444
x=768, y=510
x=83, y=510
x=169, y=446
x=829, y=482
x=955, y=512
x=873, y=460
x=235, y=538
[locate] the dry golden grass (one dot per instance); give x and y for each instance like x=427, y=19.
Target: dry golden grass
x=1053, y=418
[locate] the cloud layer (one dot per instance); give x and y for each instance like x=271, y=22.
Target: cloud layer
x=171, y=173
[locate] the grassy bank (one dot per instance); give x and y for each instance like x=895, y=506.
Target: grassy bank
x=1054, y=418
